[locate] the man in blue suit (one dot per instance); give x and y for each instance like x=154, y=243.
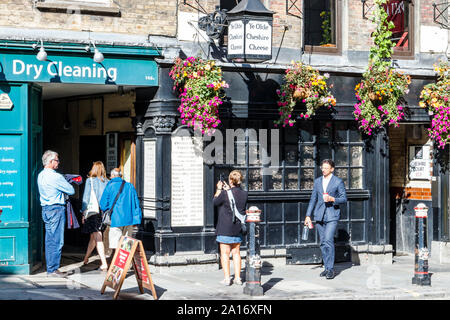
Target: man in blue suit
x=328, y=193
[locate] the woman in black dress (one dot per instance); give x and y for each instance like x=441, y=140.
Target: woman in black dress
x=229, y=232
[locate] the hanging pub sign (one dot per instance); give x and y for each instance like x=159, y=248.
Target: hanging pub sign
x=250, y=32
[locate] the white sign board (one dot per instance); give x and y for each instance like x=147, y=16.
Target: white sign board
x=258, y=38
x=111, y=151
x=149, y=201
x=5, y=102
x=419, y=163
x=187, y=181
x=236, y=37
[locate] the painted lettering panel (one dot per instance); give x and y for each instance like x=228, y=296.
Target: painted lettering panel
x=10, y=177
x=78, y=69
x=187, y=182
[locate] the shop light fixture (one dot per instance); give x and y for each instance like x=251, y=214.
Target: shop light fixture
x=98, y=56
x=41, y=55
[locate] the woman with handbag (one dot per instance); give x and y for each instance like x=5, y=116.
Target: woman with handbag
x=231, y=202
x=92, y=218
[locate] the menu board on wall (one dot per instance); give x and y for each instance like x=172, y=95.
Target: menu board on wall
x=187, y=181
x=9, y=177
x=111, y=151
x=419, y=163
x=149, y=201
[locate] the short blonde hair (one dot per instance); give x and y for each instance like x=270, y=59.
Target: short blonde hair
x=235, y=177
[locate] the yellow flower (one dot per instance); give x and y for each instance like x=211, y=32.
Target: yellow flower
x=422, y=104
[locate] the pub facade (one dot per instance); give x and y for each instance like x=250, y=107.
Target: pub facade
x=138, y=126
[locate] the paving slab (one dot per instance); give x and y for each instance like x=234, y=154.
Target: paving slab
x=286, y=282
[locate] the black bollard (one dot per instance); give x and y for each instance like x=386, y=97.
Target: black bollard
x=253, y=260
x=421, y=253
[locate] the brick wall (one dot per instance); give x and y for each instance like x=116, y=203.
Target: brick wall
x=359, y=29
x=160, y=18
x=426, y=12
x=400, y=186
x=411, y=193
x=397, y=160
x=137, y=17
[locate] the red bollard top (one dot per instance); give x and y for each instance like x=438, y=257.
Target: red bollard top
x=253, y=214
x=421, y=211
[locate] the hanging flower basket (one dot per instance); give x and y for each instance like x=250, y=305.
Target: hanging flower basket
x=381, y=87
x=200, y=86
x=435, y=97
x=378, y=96
x=303, y=84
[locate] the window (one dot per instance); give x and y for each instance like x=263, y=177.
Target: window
x=228, y=4
x=401, y=14
x=86, y=2
x=95, y=7
x=302, y=148
x=321, y=28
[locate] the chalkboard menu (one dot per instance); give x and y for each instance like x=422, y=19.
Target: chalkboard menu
x=187, y=181
x=149, y=200
x=10, y=177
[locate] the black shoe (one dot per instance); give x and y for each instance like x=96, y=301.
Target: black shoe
x=324, y=273
x=330, y=274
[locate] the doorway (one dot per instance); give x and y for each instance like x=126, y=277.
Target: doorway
x=76, y=127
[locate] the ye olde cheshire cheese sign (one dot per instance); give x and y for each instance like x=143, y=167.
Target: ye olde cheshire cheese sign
x=251, y=38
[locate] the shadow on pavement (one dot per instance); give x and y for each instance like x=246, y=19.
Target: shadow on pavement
x=270, y=283
x=340, y=267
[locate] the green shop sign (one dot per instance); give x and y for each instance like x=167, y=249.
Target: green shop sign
x=78, y=69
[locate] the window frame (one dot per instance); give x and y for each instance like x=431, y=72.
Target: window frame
x=91, y=7
x=310, y=49
x=407, y=54
x=284, y=168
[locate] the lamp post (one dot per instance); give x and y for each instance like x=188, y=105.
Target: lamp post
x=250, y=32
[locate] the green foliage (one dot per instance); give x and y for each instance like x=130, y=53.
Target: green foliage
x=326, y=27
x=381, y=86
x=381, y=51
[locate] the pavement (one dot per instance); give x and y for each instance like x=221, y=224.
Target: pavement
x=280, y=282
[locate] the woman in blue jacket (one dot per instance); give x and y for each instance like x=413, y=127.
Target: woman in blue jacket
x=92, y=222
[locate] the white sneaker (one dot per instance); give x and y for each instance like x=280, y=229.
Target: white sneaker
x=226, y=282
x=238, y=281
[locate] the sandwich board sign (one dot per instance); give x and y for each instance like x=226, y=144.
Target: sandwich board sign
x=129, y=252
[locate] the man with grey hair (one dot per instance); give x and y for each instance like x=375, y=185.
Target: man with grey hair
x=126, y=212
x=52, y=187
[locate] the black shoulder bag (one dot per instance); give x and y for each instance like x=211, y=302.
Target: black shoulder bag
x=106, y=217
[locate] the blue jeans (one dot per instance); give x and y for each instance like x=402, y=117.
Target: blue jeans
x=326, y=233
x=54, y=217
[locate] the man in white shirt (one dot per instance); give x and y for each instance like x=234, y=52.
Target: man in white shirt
x=52, y=187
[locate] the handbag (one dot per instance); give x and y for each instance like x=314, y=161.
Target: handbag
x=236, y=213
x=106, y=217
x=92, y=207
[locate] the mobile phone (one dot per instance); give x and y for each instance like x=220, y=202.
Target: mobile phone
x=221, y=177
